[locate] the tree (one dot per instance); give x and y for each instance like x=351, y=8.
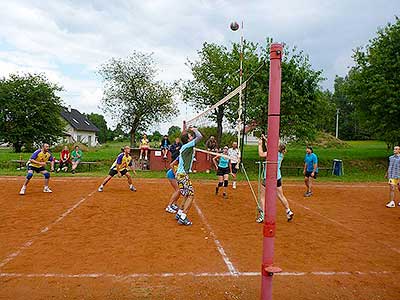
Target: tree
x=156, y=136
x=99, y=121
x=133, y=96
x=174, y=131
x=215, y=75
x=374, y=83
x=29, y=111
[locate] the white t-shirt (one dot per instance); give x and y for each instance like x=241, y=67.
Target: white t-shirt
x=234, y=155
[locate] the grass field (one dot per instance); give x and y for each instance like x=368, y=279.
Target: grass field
x=362, y=160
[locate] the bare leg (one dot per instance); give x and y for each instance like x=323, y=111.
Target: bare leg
x=26, y=179
x=107, y=179
x=307, y=182
x=226, y=177
x=46, y=180
x=391, y=193
x=188, y=204
x=282, y=198
x=129, y=177
x=176, y=194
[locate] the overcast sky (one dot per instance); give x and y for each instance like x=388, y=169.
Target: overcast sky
x=68, y=40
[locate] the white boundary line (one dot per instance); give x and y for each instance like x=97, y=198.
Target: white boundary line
x=44, y=230
x=344, y=226
x=228, y=263
x=190, y=274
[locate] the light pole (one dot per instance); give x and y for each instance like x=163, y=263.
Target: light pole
x=337, y=123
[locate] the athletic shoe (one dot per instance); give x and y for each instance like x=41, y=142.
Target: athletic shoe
x=391, y=204
x=174, y=206
x=73, y=171
x=170, y=210
x=307, y=194
x=289, y=215
x=22, y=191
x=185, y=221
x=58, y=170
x=260, y=219
x=132, y=188
x=399, y=203
x=216, y=190
x=234, y=185
x=65, y=169
x=177, y=216
x=100, y=189
x=46, y=189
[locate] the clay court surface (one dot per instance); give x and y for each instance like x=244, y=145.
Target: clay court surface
x=77, y=243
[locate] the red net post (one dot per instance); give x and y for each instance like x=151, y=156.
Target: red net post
x=272, y=164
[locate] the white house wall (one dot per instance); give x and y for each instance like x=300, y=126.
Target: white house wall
x=84, y=135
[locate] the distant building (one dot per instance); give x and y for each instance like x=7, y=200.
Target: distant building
x=78, y=128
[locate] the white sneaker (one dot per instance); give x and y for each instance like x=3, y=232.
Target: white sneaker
x=46, y=189
x=170, y=210
x=100, y=189
x=234, y=185
x=391, y=204
x=289, y=215
x=22, y=191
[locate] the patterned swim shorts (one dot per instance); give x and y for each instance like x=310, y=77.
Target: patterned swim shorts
x=185, y=185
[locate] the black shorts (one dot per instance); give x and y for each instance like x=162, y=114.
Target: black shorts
x=113, y=172
x=234, y=169
x=278, y=182
x=308, y=174
x=36, y=169
x=223, y=171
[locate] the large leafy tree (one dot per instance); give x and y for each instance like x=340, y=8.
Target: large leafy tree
x=133, y=96
x=29, y=111
x=215, y=75
x=374, y=83
x=99, y=121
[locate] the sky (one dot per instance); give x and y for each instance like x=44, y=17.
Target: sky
x=68, y=40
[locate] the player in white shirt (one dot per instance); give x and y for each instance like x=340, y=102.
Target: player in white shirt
x=234, y=154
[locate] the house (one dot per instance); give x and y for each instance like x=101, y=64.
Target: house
x=78, y=128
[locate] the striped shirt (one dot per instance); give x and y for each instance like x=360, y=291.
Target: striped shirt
x=394, y=167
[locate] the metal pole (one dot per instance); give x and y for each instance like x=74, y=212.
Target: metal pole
x=268, y=270
x=240, y=110
x=337, y=123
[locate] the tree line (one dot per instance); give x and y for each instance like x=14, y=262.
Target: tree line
x=367, y=99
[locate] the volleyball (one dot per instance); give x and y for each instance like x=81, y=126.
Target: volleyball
x=234, y=26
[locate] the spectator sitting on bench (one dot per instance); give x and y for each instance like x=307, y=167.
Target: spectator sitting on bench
x=76, y=158
x=175, y=148
x=165, y=143
x=144, y=147
x=65, y=160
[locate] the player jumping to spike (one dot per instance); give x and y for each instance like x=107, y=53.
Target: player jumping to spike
x=182, y=177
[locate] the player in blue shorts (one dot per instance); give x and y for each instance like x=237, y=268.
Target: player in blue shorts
x=121, y=167
x=37, y=163
x=172, y=206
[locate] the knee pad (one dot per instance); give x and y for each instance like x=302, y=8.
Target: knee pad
x=46, y=175
x=225, y=183
x=29, y=176
x=219, y=183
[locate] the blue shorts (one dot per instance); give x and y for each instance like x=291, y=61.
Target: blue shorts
x=170, y=174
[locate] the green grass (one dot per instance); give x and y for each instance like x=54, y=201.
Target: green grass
x=362, y=161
